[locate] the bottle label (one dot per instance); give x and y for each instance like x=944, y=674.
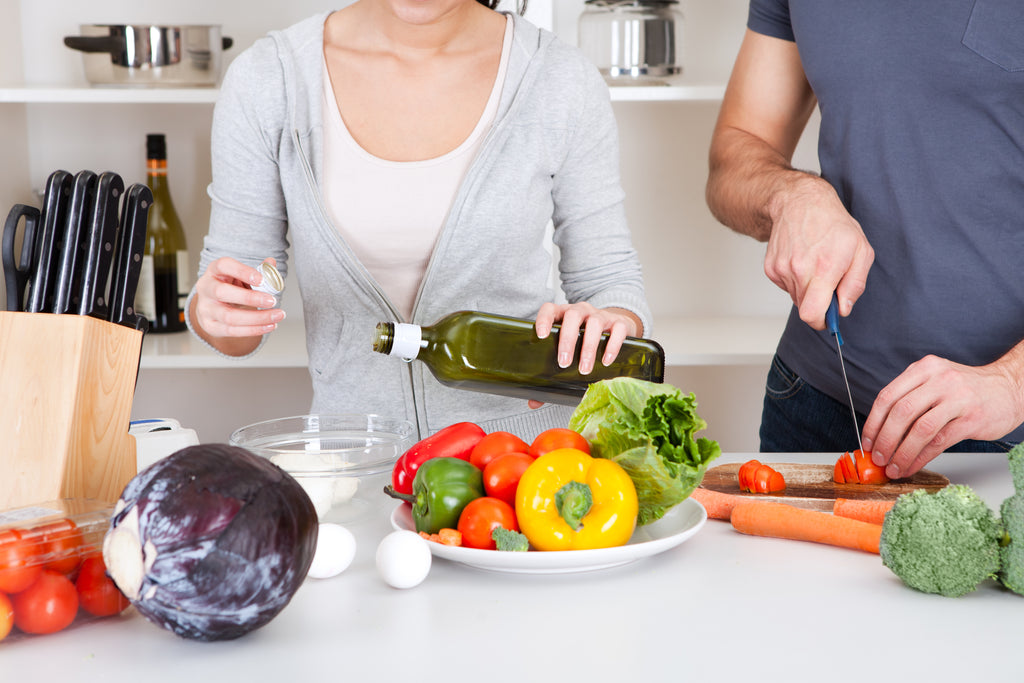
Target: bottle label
x=184, y=281
x=145, y=293
x=407, y=341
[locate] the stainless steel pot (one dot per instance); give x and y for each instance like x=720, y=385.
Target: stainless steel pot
x=151, y=56
x=633, y=42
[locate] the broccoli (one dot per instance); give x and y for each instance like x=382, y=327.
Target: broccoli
x=1011, y=552
x=508, y=540
x=946, y=542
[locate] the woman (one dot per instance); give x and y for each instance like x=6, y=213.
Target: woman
x=414, y=152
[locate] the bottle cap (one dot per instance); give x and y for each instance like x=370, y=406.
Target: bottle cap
x=272, y=282
x=156, y=146
x=407, y=341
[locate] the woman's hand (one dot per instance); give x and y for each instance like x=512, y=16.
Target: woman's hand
x=227, y=313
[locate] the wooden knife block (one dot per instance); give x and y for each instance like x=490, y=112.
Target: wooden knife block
x=66, y=389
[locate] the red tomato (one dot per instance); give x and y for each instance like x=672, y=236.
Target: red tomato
x=768, y=480
x=555, y=438
x=495, y=444
x=20, y=565
x=501, y=476
x=6, y=616
x=47, y=606
x=60, y=545
x=96, y=592
x=857, y=468
x=745, y=475
x=481, y=517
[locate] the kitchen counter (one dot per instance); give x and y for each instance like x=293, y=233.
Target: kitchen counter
x=721, y=606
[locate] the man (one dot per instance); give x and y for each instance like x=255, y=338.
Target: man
x=916, y=223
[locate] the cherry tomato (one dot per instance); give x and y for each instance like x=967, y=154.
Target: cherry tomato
x=60, y=545
x=555, y=438
x=19, y=561
x=47, y=606
x=97, y=593
x=501, y=476
x=495, y=444
x=6, y=616
x=745, y=475
x=481, y=517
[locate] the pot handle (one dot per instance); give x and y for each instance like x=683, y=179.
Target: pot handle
x=227, y=43
x=110, y=44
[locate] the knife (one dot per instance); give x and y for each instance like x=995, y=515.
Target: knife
x=832, y=323
x=131, y=244
x=99, y=241
x=54, y=217
x=69, y=265
x=17, y=270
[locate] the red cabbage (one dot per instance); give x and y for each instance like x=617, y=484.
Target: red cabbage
x=211, y=542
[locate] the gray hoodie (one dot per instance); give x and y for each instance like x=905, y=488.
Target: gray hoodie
x=550, y=158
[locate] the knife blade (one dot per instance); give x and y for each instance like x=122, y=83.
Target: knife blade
x=69, y=265
x=17, y=269
x=99, y=241
x=131, y=245
x=832, y=323
x=48, y=239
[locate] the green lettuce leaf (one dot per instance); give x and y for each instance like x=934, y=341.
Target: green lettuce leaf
x=648, y=429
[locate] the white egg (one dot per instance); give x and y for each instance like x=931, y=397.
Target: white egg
x=335, y=550
x=403, y=559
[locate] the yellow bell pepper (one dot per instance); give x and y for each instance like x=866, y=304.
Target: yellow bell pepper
x=567, y=500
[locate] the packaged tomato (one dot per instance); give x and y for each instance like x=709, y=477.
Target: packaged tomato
x=51, y=567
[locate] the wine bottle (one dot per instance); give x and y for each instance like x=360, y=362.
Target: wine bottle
x=501, y=355
x=164, y=281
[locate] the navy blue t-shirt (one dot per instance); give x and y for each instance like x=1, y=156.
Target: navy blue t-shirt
x=922, y=136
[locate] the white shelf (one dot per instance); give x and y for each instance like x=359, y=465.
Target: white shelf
x=84, y=94
x=687, y=342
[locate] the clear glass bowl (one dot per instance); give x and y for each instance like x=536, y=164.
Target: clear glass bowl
x=342, y=461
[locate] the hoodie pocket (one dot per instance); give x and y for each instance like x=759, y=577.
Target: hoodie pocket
x=995, y=31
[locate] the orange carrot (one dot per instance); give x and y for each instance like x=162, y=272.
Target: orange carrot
x=718, y=505
x=450, y=537
x=778, y=520
x=872, y=511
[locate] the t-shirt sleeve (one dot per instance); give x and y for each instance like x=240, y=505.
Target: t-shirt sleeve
x=771, y=18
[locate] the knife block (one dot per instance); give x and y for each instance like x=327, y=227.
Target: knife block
x=66, y=389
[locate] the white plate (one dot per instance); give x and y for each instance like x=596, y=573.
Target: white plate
x=678, y=524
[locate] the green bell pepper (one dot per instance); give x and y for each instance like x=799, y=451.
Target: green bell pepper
x=441, y=488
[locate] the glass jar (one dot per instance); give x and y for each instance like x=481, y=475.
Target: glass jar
x=633, y=42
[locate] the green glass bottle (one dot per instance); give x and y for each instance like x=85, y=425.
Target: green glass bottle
x=501, y=355
x=164, y=281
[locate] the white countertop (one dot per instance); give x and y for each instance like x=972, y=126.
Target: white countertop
x=721, y=606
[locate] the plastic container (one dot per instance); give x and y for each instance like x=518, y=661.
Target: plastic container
x=45, y=584
x=342, y=461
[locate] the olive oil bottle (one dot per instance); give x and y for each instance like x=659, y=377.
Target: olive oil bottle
x=164, y=281
x=501, y=355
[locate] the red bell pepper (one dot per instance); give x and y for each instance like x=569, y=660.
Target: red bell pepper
x=454, y=441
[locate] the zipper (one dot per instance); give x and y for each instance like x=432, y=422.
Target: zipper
x=354, y=265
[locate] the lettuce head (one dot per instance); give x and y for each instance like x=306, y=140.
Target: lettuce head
x=647, y=429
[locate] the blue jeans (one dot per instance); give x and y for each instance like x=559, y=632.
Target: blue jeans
x=797, y=418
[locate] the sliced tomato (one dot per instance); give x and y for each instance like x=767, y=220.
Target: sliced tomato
x=746, y=475
x=857, y=468
x=768, y=480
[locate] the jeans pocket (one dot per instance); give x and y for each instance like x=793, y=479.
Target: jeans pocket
x=782, y=382
x=995, y=31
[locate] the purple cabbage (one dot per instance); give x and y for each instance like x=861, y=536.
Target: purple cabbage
x=211, y=542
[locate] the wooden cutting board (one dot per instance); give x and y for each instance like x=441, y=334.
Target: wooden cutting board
x=811, y=486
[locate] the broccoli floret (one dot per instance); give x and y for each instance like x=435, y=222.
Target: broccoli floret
x=1016, y=458
x=508, y=540
x=945, y=542
x=1011, y=553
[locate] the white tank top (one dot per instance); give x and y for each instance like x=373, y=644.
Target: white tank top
x=391, y=212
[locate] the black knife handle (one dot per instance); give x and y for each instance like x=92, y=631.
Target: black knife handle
x=70, y=263
x=99, y=241
x=16, y=271
x=128, y=255
x=54, y=219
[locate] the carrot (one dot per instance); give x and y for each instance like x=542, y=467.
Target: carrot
x=778, y=520
x=718, y=505
x=872, y=511
x=450, y=537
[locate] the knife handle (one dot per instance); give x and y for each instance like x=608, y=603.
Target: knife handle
x=55, y=203
x=832, y=319
x=69, y=265
x=16, y=272
x=131, y=246
x=99, y=242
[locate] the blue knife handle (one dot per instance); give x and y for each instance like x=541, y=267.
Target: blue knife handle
x=832, y=319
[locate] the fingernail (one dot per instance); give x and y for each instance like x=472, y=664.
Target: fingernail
x=542, y=333
x=892, y=471
x=255, y=279
x=279, y=316
x=866, y=443
x=585, y=368
x=607, y=359
x=563, y=360
x=268, y=302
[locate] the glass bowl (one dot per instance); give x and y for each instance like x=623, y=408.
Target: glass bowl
x=342, y=461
